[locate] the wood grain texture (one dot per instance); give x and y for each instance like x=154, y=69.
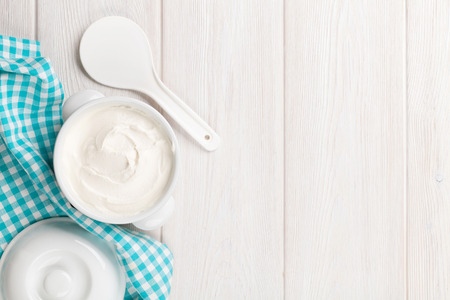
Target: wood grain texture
x=344, y=150
x=17, y=18
x=310, y=178
x=61, y=25
x=428, y=57
x=225, y=59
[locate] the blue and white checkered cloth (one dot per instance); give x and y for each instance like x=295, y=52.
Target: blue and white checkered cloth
x=30, y=114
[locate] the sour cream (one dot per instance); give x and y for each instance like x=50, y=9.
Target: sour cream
x=118, y=160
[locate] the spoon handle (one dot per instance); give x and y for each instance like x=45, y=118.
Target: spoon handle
x=182, y=114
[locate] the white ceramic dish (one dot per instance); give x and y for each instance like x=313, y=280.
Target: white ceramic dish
x=56, y=259
x=74, y=108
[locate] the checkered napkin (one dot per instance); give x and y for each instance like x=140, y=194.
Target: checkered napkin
x=30, y=114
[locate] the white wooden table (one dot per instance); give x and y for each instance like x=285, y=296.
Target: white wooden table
x=333, y=179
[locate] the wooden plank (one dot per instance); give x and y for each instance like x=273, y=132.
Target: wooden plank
x=428, y=33
x=344, y=150
x=61, y=25
x=225, y=59
x=17, y=18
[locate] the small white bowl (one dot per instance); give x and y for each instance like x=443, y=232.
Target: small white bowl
x=72, y=110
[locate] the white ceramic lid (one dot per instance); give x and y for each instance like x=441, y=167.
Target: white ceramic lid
x=55, y=259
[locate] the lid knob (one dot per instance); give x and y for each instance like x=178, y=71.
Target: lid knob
x=57, y=283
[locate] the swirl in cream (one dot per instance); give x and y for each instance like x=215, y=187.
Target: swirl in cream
x=119, y=160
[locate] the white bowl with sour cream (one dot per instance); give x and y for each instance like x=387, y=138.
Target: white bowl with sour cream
x=116, y=160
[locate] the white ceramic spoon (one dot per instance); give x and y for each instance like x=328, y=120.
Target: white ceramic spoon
x=115, y=51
